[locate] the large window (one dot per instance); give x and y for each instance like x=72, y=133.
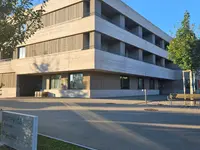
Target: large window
x=152, y=84
x=140, y=83
x=125, y=82
x=76, y=81
x=21, y=52
x=56, y=82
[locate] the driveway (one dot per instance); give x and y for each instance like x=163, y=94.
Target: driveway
x=113, y=124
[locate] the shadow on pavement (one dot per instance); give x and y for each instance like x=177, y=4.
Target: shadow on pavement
x=108, y=129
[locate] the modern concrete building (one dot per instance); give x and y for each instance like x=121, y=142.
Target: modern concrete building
x=91, y=48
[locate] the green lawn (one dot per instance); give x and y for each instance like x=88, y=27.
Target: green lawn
x=45, y=143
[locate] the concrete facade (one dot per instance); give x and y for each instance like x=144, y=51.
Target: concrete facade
x=93, y=49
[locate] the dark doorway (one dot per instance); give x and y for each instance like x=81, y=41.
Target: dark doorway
x=28, y=84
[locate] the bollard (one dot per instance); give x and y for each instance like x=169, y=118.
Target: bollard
x=145, y=95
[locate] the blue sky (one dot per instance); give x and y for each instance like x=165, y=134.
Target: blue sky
x=166, y=14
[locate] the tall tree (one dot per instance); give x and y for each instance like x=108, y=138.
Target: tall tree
x=18, y=22
x=183, y=49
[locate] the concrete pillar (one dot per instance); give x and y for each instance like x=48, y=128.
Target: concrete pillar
x=133, y=83
x=146, y=83
x=46, y=82
x=140, y=54
x=153, y=39
x=163, y=62
x=122, y=48
x=162, y=44
x=95, y=40
x=156, y=84
x=17, y=86
x=95, y=7
x=119, y=20
x=137, y=54
x=138, y=31
x=122, y=21
x=151, y=59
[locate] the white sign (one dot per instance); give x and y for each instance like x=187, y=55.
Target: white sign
x=19, y=131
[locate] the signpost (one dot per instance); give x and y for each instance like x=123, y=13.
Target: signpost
x=19, y=131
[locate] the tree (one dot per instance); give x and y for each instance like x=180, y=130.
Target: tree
x=184, y=50
x=18, y=22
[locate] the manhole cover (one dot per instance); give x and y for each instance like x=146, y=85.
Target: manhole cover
x=151, y=109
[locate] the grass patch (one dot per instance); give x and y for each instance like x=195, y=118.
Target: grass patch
x=45, y=143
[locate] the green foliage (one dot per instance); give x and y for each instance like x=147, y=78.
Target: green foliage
x=18, y=22
x=184, y=49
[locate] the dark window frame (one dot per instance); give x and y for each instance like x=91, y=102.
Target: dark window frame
x=152, y=84
x=123, y=84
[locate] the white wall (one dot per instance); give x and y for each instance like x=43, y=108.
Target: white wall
x=8, y=92
x=110, y=62
x=64, y=61
x=53, y=5
x=63, y=29
x=5, y=67
x=69, y=93
x=110, y=29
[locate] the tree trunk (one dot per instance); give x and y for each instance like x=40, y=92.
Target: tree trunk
x=191, y=88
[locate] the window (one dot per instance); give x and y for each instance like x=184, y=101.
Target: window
x=76, y=81
x=56, y=82
x=21, y=52
x=64, y=82
x=152, y=84
x=140, y=83
x=125, y=82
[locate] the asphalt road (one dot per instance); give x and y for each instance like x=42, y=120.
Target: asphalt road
x=113, y=125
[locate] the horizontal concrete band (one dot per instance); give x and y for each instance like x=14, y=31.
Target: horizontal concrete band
x=90, y=59
x=99, y=93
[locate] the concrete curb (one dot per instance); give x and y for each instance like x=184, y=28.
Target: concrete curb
x=79, y=145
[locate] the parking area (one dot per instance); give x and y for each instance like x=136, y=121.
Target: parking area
x=114, y=124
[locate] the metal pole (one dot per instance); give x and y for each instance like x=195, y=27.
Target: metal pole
x=191, y=89
x=145, y=92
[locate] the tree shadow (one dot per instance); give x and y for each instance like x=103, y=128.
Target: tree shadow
x=45, y=64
